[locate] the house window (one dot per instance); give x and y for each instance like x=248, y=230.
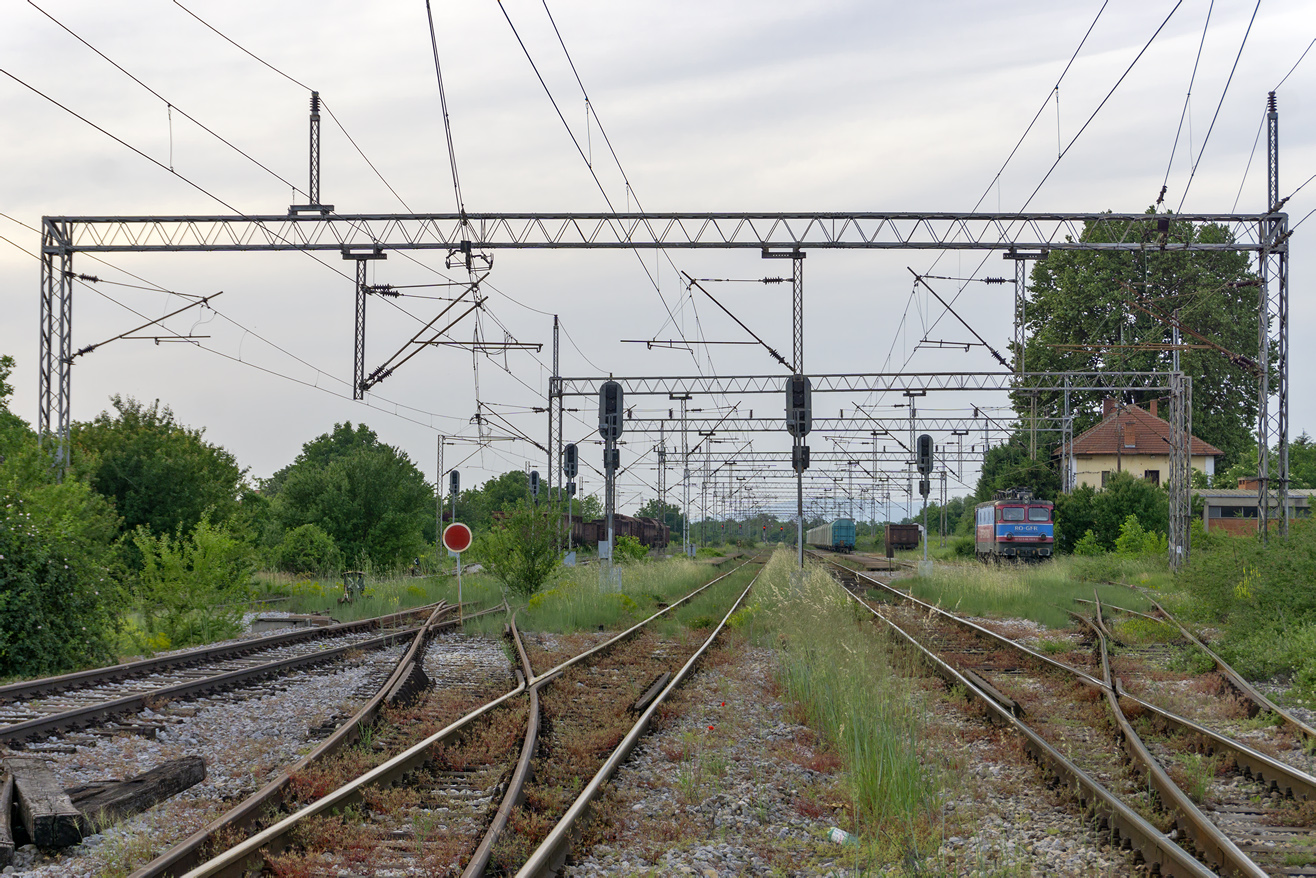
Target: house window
x=1105, y=477
x=1152, y=475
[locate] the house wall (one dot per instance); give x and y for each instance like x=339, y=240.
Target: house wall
x=1088, y=470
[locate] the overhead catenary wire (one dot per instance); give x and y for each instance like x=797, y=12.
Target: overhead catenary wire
x=1223, y=92
x=1187, y=101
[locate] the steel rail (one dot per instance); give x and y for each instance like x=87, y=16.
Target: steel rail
x=89, y=714
x=232, y=862
x=110, y=673
x=558, y=669
x=1282, y=775
x=552, y=850
x=186, y=854
x=1156, y=848
x=1189, y=819
x=1213, y=844
x=515, y=792
x=1263, y=703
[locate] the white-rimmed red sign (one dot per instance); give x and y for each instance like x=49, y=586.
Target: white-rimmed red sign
x=457, y=537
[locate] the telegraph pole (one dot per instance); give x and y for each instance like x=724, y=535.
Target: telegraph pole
x=685, y=473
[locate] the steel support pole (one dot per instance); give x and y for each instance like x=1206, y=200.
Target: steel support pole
x=55, y=341
x=1180, y=468
x=1272, y=350
x=438, y=500
x=359, y=349
x=314, y=192
x=554, y=420
x=799, y=511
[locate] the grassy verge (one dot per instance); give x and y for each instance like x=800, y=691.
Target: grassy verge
x=846, y=686
x=381, y=596
x=1041, y=592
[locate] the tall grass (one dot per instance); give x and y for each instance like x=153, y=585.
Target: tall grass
x=577, y=602
x=839, y=669
x=1041, y=592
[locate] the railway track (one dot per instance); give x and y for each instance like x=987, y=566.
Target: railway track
x=35, y=709
x=451, y=800
x=1241, y=807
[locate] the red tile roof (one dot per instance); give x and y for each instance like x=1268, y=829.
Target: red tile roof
x=1138, y=432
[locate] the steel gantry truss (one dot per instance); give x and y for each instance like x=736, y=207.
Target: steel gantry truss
x=350, y=234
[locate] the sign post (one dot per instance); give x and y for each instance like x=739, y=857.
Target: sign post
x=457, y=539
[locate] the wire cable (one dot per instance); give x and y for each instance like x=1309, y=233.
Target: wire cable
x=447, y=121
x=1225, y=91
x=1186, y=101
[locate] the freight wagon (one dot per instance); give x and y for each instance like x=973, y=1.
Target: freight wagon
x=1014, y=525
x=837, y=535
x=649, y=531
x=901, y=536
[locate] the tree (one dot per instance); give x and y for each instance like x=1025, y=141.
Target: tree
x=521, y=549
x=367, y=496
x=1009, y=466
x=160, y=474
x=1104, y=512
x=60, y=596
x=668, y=513
x=1091, y=299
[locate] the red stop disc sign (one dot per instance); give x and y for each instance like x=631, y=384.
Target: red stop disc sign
x=456, y=537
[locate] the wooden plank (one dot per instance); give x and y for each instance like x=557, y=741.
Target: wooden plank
x=47, y=813
x=6, y=807
x=103, y=803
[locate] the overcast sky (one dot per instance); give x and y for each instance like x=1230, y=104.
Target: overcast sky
x=710, y=106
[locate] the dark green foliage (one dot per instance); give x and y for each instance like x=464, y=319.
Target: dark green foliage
x=1084, y=298
x=1302, y=462
x=1009, y=466
x=368, y=496
x=521, y=549
x=668, y=513
x=160, y=474
x=59, y=595
x=308, y=549
x=629, y=549
x=1104, y=512
x=59, y=583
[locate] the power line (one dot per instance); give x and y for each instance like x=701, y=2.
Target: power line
x=447, y=122
x=1186, y=101
x=166, y=101
x=1223, y=92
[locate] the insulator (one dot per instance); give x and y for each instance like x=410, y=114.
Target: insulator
x=315, y=102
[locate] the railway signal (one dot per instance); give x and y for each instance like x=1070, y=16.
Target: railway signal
x=534, y=486
x=924, y=456
x=799, y=406
x=610, y=411
x=570, y=461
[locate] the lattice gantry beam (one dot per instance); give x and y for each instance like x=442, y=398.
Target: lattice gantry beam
x=876, y=382
x=491, y=231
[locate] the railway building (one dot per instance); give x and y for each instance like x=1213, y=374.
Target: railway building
x=1129, y=439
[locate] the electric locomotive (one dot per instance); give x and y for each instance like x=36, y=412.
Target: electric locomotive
x=1014, y=525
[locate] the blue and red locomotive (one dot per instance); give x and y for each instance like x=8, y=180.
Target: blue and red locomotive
x=1014, y=525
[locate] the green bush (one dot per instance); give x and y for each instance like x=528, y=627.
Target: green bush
x=964, y=547
x=1135, y=542
x=191, y=586
x=521, y=551
x=630, y=549
x=308, y=549
x=1088, y=546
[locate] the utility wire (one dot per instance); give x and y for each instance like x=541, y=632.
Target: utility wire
x=167, y=102
x=1165, y=184
x=1216, y=116
x=447, y=121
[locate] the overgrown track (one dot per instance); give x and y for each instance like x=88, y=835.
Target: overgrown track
x=1252, y=819
x=470, y=759
x=38, y=708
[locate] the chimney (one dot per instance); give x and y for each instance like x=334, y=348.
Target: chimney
x=1152, y=407
x=1107, y=407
